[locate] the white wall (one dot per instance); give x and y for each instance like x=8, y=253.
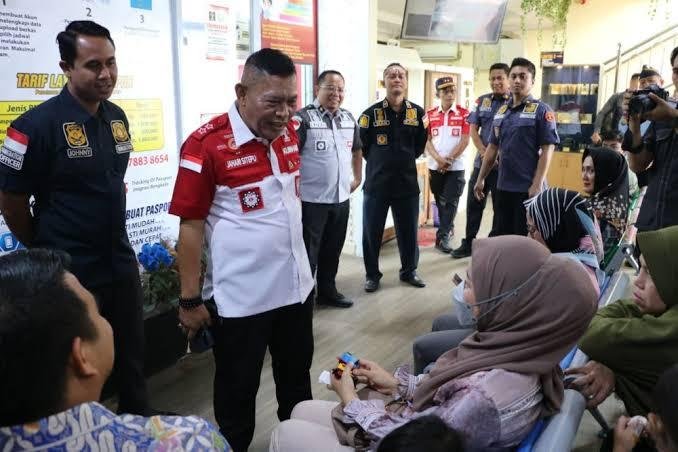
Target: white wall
x=348, y=50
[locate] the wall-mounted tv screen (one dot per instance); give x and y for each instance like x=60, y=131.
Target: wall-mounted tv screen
x=454, y=20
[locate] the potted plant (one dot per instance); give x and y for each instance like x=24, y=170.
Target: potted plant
x=165, y=342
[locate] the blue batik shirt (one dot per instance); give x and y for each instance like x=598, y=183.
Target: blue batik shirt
x=91, y=427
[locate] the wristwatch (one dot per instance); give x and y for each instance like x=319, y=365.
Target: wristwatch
x=190, y=303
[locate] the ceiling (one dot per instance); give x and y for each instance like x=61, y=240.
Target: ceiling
x=391, y=16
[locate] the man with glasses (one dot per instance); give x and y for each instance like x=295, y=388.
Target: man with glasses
x=393, y=133
x=448, y=137
x=331, y=169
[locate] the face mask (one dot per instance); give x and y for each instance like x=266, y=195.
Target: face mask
x=463, y=310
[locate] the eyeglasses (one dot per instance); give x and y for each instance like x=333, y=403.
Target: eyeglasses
x=333, y=89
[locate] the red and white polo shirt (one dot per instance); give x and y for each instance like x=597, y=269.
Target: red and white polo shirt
x=445, y=129
x=247, y=190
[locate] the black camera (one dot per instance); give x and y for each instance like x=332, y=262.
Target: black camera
x=641, y=102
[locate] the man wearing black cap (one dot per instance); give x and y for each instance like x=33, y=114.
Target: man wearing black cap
x=448, y=137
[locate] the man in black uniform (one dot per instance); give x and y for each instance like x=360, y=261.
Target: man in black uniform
x=393, y=133
x=70, y=153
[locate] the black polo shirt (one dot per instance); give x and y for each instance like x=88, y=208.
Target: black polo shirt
x=74, y=164
x=392, y=141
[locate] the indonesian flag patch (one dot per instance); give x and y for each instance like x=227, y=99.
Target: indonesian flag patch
x=251, y=199
x=191, y=162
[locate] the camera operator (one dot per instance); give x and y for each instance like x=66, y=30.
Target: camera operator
x=656, y=147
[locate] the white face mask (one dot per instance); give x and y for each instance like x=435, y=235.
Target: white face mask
x=464, y=311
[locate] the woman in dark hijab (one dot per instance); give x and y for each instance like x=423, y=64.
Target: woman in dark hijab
x=606, y=181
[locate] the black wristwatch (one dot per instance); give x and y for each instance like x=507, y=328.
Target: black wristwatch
x=190, y=303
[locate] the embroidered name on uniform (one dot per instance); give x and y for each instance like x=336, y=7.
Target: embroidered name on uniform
x=411, y=117
x=79, y=153
x=241, y=161
x=121, y=137
x=382, y=139
x=290, y=149
x=13, y=149
x=380, y=118
x=251, y=199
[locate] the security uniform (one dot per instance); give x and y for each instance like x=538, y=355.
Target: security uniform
x=519, y=132
x=73, y=164
x=482, y=115
x=326, y=142
x=392, y=141
x=246, y=189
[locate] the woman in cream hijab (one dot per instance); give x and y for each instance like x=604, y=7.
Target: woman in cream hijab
x=495, y=385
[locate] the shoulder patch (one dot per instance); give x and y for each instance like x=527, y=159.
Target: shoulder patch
x=295, y=122
x=550, y=116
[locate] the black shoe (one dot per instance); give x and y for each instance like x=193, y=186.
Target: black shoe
x=337, y=301
x=414, y=280
x=371, y=285
x=463, y=251
x=442, y=245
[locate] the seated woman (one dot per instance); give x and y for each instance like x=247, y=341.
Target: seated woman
x=557, y=218
x=529, y=313
x=606, y=181
x=631, y=342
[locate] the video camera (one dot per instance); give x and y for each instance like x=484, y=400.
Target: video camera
x=641, y=102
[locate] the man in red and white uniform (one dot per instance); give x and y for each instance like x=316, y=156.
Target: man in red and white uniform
x=237, y=192
x=448, y=137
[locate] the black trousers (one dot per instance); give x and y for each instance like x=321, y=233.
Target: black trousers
x=324, y=236
x=475, y=208
x=240, y=345
x=405, y=215
x=447, y=189
x=121, y=304
x=510, y=213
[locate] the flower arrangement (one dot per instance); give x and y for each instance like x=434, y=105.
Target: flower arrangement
x=160, y=279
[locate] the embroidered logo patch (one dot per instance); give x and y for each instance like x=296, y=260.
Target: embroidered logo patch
x=380, y=118
x=296, y=122
x=364, y=121
x=75, y=134
x=435, y=132
x=191, y=163
x=530, y=108
x=550, y=116
x=13, y=149
x=456, y=131
x=502, y=109
x=121, y=137
x=320, y=145
x=487, y=103
x=250, y=199
x=382, y=139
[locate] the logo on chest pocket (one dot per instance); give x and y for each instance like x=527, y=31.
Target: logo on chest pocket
x=320, y=145
x=75, y=134
x=251, y=199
